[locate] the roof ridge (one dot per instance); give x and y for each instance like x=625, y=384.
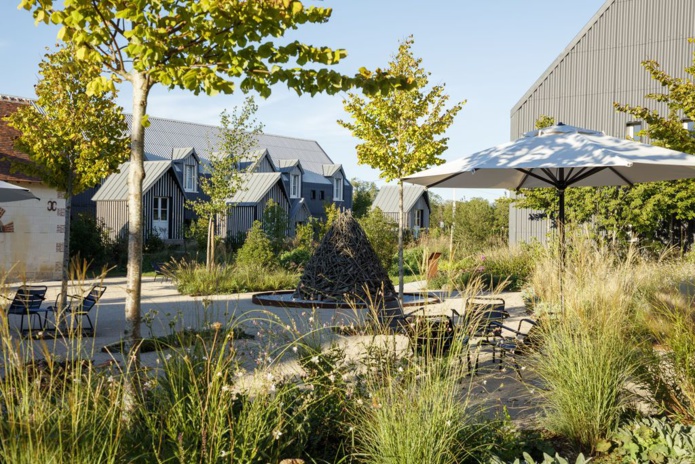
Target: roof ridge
x=212, y=126
x=14, y=98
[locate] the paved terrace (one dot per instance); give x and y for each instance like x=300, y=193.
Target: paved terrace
x=167, y=310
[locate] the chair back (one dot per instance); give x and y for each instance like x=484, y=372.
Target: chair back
x=92, y=297
x=481, y=312
x=27, y=298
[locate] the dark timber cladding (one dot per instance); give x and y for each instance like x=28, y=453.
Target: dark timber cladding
x=248, y=207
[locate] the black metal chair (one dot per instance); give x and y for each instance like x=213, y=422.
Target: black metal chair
x=159, y=270
x=81, y=305
x=477, y=324
x=430, y=335
x=27, y=302
x=517, y=344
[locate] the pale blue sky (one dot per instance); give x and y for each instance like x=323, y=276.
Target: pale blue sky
x=487, y=52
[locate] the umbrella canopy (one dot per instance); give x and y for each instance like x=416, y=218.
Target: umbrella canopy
x=10, y=192
x=560, y=156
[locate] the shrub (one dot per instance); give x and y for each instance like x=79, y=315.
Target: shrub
x=153, y=244
x=654, y=440
x=198, y=231
x=257, y=250
x=88, y=239
x=304, y=236
x=275, y=224
x=381, y=232
x=295, y=259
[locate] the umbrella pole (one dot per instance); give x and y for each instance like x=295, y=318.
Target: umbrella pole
x=561, y=230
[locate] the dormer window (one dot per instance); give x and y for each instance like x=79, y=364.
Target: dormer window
x=337, y=188
x=295, y=185
x=190, y=178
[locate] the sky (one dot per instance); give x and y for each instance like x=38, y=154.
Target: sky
x=486, y=52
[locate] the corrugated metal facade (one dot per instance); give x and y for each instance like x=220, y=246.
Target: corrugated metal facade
x=115, y=213
x=602, y=65
x=240, y=218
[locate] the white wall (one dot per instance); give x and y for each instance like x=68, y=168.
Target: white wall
x=34, y=250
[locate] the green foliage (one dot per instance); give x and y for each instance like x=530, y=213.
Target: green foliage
x=304, y=236
x=363, y=195
x=653, y=440
x=76, y=139
x=380, y=232
x=401, y=131
x=154, y=244
x=193, y=279
x=275, y=224
x=89, y=239
x=332, y=212
x=198, y=231
x=238, y=133
x=257, y=250
x=295, y=259
x=547, y=459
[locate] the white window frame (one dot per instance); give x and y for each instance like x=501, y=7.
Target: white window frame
x=337, y=188
x=187, y=168
x=633, y=129
x=419, y=218
x=295, y=185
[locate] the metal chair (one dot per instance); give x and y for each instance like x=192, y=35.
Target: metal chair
x=27, y=302
x=81, y=305
x=513, y=346
x=477, y=324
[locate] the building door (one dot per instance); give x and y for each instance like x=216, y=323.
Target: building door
x=160, y=217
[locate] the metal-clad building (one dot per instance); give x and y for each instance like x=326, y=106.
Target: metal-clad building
x=602, y=65
x=251, y=199
x=416, y=204
x=162, y=202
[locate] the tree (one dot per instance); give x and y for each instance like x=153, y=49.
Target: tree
x=205, y=47
x=275, y=224
x=399, y=130
x=363, y=195
x=238, y=135
x=72, y=138
x=257, y=249
x=379, y=229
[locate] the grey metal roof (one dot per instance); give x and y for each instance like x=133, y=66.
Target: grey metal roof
x=165, y=134
x=182, y=153
x=387, y=198
x=254, y=188
x=115, y=187
x=330, y=169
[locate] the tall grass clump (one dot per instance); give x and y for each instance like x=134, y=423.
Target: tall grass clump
x=418, y=416
x=589, y=361
x=192, y=278
x=58, y=410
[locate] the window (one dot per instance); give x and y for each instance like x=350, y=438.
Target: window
x=633, y=130
x=337, y=188
x=688, y=125
x=313, y=194
x=419, y=222
x=322, y=195
x=295, y=185
x=190, y=178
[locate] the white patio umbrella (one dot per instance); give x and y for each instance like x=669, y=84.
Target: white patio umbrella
x=10, y=192
x=560, y=156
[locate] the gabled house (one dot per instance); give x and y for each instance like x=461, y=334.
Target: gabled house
x=31, y=231
x=162, y=201
x=416, y=205
x=602, y=65
x=310, y=177
x=251, y=199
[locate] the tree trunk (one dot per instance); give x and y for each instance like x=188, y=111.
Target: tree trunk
x=62, y=301
x=400, y=239
x=135, y=214
x=211, y=244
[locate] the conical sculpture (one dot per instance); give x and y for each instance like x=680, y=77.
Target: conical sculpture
x=345, y=268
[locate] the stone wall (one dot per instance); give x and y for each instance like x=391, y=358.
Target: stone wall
x=31, y=236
